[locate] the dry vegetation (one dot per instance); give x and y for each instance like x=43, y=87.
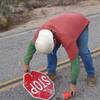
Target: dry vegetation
x=17, y=11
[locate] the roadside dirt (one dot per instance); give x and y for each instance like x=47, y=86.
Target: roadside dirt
x=38, y=16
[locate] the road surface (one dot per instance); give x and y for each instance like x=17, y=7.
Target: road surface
x=61, y=85
x=13, y=47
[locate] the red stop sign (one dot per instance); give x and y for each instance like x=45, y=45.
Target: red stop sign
x=38, y=85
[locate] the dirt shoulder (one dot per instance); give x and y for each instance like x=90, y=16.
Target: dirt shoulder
x=41, y=15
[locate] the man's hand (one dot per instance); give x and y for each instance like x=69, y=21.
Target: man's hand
x=72, y=89
x=25, y=68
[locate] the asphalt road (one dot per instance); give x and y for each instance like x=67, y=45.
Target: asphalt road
x=12, y=49
x=61, y=85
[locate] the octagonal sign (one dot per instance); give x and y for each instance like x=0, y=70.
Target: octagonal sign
x=38, y=85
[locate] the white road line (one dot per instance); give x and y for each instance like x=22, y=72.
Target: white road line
x=19, y=34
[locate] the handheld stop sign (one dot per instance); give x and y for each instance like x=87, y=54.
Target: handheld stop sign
x=38, y=85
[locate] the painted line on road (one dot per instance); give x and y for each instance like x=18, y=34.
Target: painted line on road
x=7, y=83
x=10, y=86
x=17, y=81
x=14, y=35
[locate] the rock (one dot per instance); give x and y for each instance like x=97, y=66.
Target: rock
x=12, y=8
x=5, y=22
x=20, y=8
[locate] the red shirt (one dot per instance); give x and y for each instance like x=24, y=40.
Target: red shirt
x=67, y=29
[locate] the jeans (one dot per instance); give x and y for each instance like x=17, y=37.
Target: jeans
x=52, y=60
x=84, y=53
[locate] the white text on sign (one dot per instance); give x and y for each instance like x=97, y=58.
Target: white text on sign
x=39, y=84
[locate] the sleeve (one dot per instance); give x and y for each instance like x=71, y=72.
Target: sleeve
x=75, y=69
x=29, y=53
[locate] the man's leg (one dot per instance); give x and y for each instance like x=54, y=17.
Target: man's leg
x=85, y=54
x=52, y=61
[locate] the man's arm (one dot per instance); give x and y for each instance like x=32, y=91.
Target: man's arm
x=75, y=69
x=28, y=56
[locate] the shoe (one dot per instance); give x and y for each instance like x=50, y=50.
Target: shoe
x=52, y=76
x=91, y=81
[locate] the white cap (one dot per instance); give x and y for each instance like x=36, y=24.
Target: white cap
x=44, y=42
